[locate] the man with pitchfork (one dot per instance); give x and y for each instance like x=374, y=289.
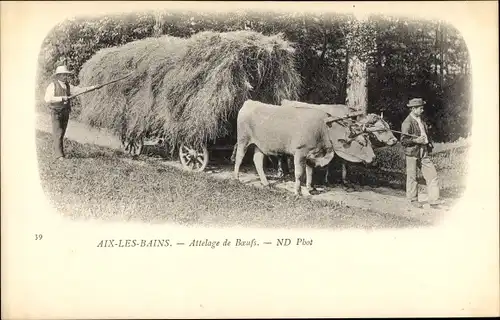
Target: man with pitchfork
x=57, y=97
x=417, y=145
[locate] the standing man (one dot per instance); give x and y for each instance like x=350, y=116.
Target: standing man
x=56, y=96
x=417, y=148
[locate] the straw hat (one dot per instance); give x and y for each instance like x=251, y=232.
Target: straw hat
x=416, y=102
x=62, y=70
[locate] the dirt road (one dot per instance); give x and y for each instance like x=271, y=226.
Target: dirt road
x=378, y=199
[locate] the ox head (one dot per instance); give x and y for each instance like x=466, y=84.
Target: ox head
x=349, y=142
x=376, y=126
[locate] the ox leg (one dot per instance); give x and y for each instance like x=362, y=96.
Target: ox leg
x=349, y=186
x=289, y=162
x=344, y=173
x=299, y=171
x=327, y=175
x=258, y=160
x=329, y=169
x=284, y=165
x=309, y=175
x=280, y=167
x=240, y=153
x=233, y=155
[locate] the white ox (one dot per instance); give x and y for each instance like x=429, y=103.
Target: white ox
x=310, y=136
x=373, y=124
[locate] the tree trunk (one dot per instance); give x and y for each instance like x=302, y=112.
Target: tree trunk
x=357, y=73
x=357, y=89
x=158, y=27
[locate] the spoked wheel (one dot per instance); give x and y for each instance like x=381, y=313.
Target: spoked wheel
x=193, y=159
x=134, y=148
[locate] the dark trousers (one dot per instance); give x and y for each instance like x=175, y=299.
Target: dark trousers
x=59, y=125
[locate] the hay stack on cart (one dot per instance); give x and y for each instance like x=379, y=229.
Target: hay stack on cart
x=187, y=92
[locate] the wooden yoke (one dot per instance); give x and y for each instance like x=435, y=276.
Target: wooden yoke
x=331, y=118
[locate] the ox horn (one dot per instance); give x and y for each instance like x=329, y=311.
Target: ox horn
x=382, y=115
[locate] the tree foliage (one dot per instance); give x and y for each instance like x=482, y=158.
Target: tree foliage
x=404, y=58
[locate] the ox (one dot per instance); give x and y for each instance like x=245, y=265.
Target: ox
x=374, y=125
x=310, y=136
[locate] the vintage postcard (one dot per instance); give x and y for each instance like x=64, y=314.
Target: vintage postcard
x=249, y=159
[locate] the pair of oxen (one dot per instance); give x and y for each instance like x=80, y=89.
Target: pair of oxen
x=312, y=133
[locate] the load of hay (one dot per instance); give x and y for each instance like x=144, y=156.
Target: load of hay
x=186, y=90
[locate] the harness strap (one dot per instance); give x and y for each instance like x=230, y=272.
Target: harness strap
x=338, y=118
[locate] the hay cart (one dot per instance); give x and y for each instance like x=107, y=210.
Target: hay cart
x=187, y=89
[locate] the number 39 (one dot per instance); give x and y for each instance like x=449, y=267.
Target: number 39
x=38, y=237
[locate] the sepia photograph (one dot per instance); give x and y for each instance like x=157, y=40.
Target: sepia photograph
x=254, y=119
x=310, y=126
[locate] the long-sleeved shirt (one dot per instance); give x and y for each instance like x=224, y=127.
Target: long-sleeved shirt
x=421, y=126
x=49, y=92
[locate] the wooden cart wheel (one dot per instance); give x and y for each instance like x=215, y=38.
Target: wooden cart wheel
x=193, y=159
x=133, y=148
